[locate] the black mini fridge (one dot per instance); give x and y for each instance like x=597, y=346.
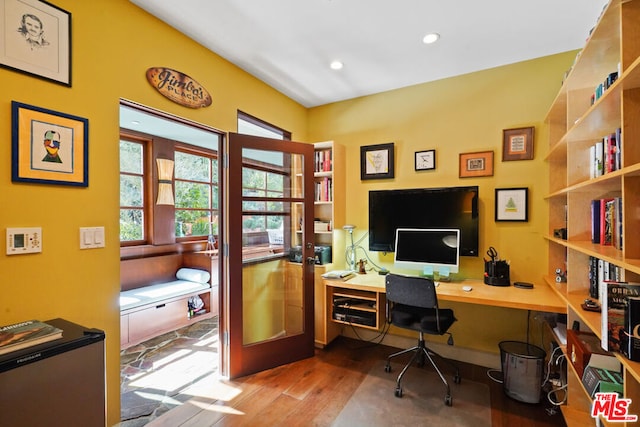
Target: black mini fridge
x=58, y=383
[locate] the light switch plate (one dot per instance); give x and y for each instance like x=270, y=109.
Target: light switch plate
x=91, y=237
x=24, y=240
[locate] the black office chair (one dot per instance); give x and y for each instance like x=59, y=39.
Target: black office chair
x=412, y=304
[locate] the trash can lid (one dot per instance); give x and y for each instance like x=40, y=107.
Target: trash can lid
x=522, y=349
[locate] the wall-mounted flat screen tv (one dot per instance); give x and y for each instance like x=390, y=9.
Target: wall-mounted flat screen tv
x=446, y=207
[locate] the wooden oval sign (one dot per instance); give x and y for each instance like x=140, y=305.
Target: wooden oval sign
x=178, y=87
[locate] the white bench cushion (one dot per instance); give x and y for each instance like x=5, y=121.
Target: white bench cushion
x=156, y=293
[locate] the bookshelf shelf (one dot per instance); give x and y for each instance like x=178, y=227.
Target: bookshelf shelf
x=575, y=122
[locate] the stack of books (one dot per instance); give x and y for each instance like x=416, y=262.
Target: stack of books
x=26, y=334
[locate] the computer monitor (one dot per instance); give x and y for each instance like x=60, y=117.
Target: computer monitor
x=428, y=249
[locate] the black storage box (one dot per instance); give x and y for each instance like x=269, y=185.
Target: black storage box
x=322, y=254
x=496, y=273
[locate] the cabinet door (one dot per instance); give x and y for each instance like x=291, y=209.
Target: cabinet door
x=156, y=320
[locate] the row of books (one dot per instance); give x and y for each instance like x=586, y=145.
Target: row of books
x=26, y=334
x=601, y=271
x=323, y=190
x=604, y=86
x=322, y=161
x=620, y=316
x=619, y=307
x=606, y=222
x=605, y=156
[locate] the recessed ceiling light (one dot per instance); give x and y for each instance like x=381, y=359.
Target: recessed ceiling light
x=431, y=38
x=135, y=122
x=336, y=65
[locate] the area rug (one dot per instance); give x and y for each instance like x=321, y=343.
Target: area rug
x=422, y=402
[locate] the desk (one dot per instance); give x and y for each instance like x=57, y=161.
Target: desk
x=540, y=298
x=371, y=288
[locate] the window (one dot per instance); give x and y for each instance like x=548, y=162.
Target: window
x=249, y=125
x=196, y=194
x=132, y=191
x=263, y=176
x=261, y=184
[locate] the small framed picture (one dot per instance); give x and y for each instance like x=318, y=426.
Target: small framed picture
x=48, y=147
x=517, y=144
x=476, y=164
x=36, y=39
x=376, y=161
x=512, y=204
x=425, y=160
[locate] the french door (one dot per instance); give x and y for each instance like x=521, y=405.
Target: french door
x=267, y=316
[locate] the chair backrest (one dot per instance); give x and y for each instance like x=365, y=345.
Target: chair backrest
x=415, y=291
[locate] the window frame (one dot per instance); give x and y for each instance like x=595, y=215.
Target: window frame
x=147, y=211
x=211, y=155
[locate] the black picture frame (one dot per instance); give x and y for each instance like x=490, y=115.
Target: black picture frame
x=512, y=204
x=377, y=161
x=45, y=54
x=49, y=147
x=425, y=160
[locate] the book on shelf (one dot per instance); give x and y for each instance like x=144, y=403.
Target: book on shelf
x=613, y=301
x=598, y=163
x=26, y=334
x=630, y=335
x=595, y=221
x=617, y=223
x=593, y=277
x=606, y=220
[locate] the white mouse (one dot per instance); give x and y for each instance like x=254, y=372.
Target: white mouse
x=467, y=288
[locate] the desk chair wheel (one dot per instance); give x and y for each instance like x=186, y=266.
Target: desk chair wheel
x=387, y=367
x=448, y=400
x=399, y=392
x=457, y=379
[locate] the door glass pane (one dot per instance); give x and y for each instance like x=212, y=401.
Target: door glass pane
x=272, y=286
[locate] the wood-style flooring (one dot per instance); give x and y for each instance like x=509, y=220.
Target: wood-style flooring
x=312, y=392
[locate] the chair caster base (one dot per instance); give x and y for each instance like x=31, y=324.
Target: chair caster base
x=448, y=400
x=398, y=392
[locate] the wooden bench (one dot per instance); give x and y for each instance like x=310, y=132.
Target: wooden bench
x=154, y=301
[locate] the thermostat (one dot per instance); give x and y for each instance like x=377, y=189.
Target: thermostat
x=24, y=240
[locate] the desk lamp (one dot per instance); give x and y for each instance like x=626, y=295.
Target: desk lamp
x=351, y=251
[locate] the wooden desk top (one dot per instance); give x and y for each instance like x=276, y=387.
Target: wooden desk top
x=540, y=298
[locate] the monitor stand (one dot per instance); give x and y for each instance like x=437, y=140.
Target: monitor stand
x=441, y=274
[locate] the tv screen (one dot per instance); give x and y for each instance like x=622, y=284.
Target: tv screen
x=437, y=248
x=446, y=207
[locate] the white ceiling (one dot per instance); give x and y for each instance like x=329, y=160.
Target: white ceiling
x=289, y=44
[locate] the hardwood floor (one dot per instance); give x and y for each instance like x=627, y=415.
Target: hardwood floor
x=312, y=392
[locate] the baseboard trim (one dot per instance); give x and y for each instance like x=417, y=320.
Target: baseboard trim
x=461, y=354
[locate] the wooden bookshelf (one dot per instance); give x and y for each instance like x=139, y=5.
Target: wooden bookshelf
x=575, y=123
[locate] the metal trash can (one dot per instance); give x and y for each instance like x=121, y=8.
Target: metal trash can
x=522, y=370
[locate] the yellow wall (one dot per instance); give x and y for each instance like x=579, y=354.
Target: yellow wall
x=114, y=42
x=457, y=115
